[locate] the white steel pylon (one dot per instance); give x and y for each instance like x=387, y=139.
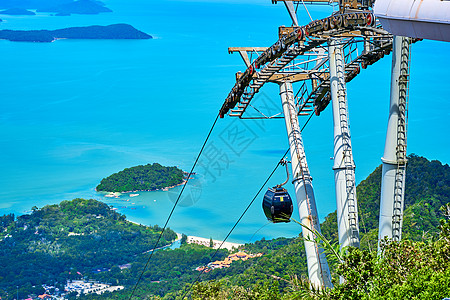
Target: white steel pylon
x=318, y=270
x=344, y=167
x=394, y=158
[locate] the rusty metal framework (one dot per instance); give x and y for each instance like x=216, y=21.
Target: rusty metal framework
x=300, y=55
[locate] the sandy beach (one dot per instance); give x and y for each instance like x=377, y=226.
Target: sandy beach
x=202, y=241
x=134, y=193
x=205, y=242
x=135, y=222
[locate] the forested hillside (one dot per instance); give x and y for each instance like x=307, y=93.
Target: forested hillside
x=416, y=268
x=427, y=189
x=67, y=241
x=405, y=270
x=172, y=272
x=167, y=274
x=142, y=178
x=60, y=242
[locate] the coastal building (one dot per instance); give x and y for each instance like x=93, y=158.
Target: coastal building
x=220, y=264
x=125, y=266
x=85, y=287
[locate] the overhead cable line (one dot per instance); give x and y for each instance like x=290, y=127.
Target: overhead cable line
x=237, y=222
x=174, y=205
x=246, y=209
x=307, y=10
x=250, y=240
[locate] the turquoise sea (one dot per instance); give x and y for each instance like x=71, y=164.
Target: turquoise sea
x=73, y=112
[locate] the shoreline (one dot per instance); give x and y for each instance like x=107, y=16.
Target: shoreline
x=179, y=236
x=118, y=194
x=216, y=243
x=191, y=239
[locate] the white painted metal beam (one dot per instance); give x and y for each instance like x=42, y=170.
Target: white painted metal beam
x=344, y=167
x=318, y=270
x=394, y=158
x=291, y=10
x=427, y=19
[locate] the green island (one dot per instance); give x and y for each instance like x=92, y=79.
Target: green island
x=111, y=32
x=148, y=177
x=60, y=7
x=17, y=12
x=415, y=268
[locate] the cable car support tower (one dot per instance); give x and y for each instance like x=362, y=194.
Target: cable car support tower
x=318, y=271
x=317, y=59
x=394, y=158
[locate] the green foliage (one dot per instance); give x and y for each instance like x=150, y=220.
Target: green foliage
x=420, y=219
x=142, y=178
x=416, y=268
x=369, y=240
x=57, y=241
x=265, y=246
x=166, y=275
x=300, y=288
x=217, y=290
x=5, y=222
x=413, y=269
x=183, y=239
x=282, y=259
x=211, y=290
x=329, y=227
x=405, y=270
x=427, y=189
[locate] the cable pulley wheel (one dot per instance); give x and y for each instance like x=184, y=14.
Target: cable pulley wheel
x=326, y=24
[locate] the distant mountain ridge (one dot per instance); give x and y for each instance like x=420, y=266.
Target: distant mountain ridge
x=114, y=32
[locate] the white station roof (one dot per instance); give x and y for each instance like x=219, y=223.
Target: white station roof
x=427, y=19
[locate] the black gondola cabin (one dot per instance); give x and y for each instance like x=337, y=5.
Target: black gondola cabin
x=277, y=205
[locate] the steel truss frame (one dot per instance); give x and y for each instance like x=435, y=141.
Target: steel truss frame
x=305, y=60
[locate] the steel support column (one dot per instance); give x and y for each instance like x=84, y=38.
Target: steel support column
x=318, y=270
x=394, y=158
x=344, y=167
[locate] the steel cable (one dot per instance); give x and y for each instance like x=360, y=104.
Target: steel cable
x=246, y=209
x=237, y=222
x=174, y=205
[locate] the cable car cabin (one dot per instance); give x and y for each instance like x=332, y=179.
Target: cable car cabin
x=277, y=205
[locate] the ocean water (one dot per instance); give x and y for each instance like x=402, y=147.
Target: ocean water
x=73, y=112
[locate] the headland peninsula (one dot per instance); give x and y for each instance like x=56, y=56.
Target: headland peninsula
x=111, y=32
x=17, y=12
